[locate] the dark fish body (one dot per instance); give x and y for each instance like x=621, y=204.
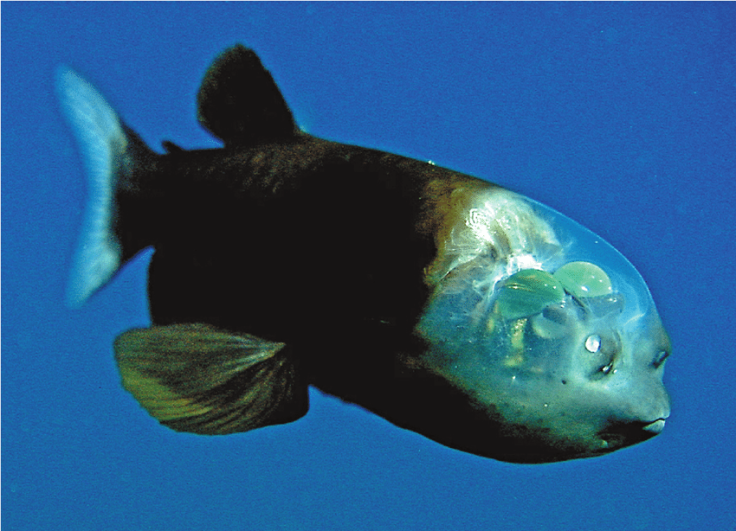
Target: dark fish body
x=443, y=303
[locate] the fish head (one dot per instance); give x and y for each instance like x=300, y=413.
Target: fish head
x=548, y=329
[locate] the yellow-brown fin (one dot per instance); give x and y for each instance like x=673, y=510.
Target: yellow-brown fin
x=200, y=379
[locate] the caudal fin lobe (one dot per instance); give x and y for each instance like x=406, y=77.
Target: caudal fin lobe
x=111, y=154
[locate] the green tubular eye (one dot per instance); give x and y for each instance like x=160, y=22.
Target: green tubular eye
x=583, y=279
x=528, y=292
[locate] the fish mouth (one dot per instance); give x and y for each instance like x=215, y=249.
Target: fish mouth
x=626, y=434
x=655, y=427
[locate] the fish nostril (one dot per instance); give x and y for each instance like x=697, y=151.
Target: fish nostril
x=660, y=358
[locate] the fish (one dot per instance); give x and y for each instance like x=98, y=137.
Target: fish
x=452, y=307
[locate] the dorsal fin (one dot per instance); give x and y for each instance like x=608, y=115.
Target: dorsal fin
x=240, y=103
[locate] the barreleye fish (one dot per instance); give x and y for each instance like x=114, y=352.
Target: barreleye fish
x=447, y=305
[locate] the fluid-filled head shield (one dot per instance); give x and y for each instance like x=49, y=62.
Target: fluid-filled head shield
x=546, y=325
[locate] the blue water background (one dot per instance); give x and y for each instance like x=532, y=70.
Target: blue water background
x=622, y=116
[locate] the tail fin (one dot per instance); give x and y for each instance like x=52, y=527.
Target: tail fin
x=110, y=153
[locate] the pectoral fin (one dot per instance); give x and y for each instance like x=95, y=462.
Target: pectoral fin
x=197, y=378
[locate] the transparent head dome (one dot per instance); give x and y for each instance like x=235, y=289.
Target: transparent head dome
x=523, y=286
x=550, y=333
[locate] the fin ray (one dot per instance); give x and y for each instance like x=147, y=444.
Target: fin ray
x=197, y=378
x=112, y=155
x=101, y=137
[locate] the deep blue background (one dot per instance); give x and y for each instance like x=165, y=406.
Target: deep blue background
x=620, y=115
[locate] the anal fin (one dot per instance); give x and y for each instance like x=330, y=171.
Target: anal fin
x=200, y=379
